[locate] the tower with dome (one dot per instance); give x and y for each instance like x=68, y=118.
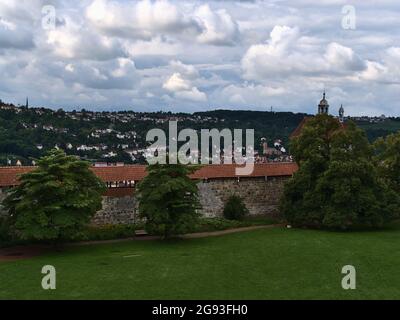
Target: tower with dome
x=323, y=107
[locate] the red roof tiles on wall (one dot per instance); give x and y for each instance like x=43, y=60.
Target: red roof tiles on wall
x=260, y=170
x=124, y=173
x=9, y=175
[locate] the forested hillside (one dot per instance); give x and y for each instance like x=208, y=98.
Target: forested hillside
x=27, y=133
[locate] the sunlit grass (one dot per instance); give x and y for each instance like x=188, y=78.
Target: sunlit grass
x=264, y=264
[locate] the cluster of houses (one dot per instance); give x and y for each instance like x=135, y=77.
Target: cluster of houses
x=104, y=141
x=100, y=147
x=275, y=153
x=379, y=119
x=122, y=117
x=129, y=116
x=127, y=141
x=108, y=150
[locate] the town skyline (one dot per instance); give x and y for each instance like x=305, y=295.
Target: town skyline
x=332, y=111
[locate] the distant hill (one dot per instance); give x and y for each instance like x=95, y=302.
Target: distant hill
x=380, y=129
x=107, y=136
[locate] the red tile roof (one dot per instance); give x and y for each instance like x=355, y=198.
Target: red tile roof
x=260, y=170
x=123, y=173
x=299, y=128
x=9, y=175
x=303, y=122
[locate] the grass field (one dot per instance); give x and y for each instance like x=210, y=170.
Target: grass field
x=264, y=264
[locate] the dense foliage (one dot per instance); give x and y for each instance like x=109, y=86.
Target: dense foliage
x=235, y=209
x=56, y=200
x=388, y=159
x=169, y=199
x=338, y=184
x=5, y=232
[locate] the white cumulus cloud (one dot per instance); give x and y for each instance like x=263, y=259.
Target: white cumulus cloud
x=180, y=83
x=218, y=26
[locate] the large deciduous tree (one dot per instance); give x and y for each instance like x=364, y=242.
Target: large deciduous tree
x=388, y=159
x=337, y=184
x=169, y=199
x=56, y=200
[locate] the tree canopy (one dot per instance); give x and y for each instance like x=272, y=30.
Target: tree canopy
x=338, y=184
x=388, y=159
x=169, y=199
x=56, y=200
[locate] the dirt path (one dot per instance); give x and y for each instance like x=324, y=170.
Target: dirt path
x=26, y=252
x=23, y=252
x=229, y=231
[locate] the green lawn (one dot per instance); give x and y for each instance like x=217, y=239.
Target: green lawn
x=264, y=264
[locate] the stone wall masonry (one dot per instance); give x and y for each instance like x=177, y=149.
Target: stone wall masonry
x=116, y=210
x=261, y=196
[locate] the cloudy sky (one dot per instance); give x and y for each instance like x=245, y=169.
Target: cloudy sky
x=200, y=55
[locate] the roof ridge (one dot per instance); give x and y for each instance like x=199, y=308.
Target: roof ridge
x=9, y=175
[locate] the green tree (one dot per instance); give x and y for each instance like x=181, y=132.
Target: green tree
x=388, y=159
x=337, y=184
x=168, y=199
x=235, y=209
x=311, y=151
x=56, y=200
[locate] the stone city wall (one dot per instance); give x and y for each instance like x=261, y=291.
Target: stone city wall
x=261, y=196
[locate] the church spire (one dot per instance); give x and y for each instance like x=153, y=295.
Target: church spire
x=323, y=107
x=27, y=103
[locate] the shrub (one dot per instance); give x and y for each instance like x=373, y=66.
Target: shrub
x=109, y=232
x=218, y=224
x=235, y=209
